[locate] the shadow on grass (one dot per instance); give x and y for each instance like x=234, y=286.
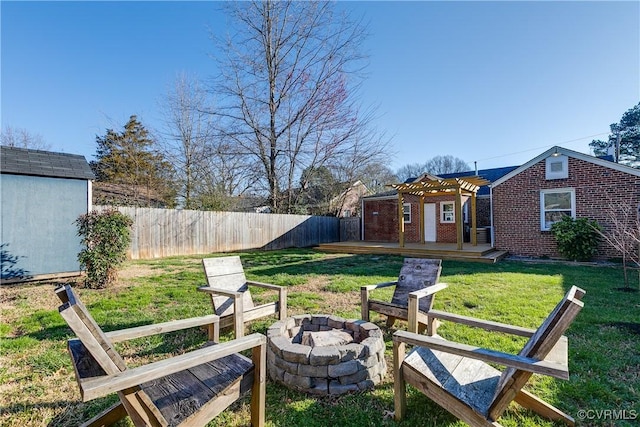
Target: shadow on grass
x=291, y=408
x=304, y=262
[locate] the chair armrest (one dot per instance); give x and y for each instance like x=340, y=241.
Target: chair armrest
x=425, y=292
x=544, y=367
x=161, y=328
x=216, y=291
x=413, y=306
x=264, y=285
x=282, y=295
x=378, y=286
x=364, y=297
x=102, y=386
x=480, y=323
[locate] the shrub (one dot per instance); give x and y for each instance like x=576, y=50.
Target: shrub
x=577, y=239
x=106, y=236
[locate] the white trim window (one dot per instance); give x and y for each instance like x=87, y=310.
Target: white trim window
x=554, y=204
x=406, y=212
x=557, y=167
x=447, y=212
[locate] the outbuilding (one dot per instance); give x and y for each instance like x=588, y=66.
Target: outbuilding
x=42, y=193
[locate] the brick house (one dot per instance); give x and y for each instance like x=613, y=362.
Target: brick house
x=558, y=182
x=380, y=212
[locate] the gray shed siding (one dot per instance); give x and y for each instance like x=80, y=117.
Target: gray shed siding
x=38, y=215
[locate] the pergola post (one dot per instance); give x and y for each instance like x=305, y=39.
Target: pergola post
x=400, y=219
x=421, y=219
x=474, y=233
x=458, y=215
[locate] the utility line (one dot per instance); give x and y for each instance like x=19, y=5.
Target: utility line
x=544, y=146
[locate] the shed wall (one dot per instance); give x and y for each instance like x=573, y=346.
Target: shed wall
x=381, y=220
x=38, y=215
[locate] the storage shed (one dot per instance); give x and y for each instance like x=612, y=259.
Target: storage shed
x=41, y=195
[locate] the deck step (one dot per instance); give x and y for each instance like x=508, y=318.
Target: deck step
x=487, y=256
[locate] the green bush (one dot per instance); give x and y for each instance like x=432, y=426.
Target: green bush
x=577, y=239
x=106, y=236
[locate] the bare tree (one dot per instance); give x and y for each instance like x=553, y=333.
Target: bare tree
x=22, y=138
x=436, y=166
x=377, y=176
x=208, y=170
x=411, y=170
x=187, y=133
x=622, y=232
x=446, y=164
x=289, y=84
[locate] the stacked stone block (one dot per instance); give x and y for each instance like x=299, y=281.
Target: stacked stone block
x=326, y=370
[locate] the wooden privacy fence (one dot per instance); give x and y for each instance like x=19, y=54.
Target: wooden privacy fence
x=350, y=229
x=159, y=233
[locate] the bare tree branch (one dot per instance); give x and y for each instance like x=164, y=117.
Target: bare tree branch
x=289, y=89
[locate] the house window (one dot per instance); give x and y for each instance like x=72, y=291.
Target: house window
x=447, y=212
x=557, y=167
x=554, y=204
x=406, y=212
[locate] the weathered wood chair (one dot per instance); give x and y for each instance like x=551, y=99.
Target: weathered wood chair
x=456, y=377
x=186, y=390
x=418, y=280
x=231, y=297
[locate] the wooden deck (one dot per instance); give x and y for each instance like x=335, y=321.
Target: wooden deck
x=481, y=253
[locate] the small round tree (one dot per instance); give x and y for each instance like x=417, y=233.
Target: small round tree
x=106, y=237
x=577, y=239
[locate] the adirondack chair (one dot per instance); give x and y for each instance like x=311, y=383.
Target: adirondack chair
x=185, y=390
x=418, y=280
x=457, y=377
x=231, y=297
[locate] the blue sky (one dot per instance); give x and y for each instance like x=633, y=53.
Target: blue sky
x=492, y=82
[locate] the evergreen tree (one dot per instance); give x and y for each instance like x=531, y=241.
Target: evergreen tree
x=129, y=159
x=629, y=130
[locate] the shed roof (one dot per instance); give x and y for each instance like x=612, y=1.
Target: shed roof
x=23, y=161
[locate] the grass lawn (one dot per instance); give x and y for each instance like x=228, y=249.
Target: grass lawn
x=37, y=385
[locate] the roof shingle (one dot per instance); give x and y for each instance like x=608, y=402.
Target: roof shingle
x=23, y=161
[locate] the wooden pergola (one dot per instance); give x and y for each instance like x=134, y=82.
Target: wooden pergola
x=465, y=186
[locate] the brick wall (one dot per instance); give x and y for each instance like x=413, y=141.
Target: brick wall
x=516, y=204
x=381, y=220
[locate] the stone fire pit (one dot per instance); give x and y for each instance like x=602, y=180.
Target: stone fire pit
x=322, y=354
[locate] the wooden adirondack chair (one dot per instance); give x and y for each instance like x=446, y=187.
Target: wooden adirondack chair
x=456, y=377
x=418, y=280
x=231, y=297
x=185, y=390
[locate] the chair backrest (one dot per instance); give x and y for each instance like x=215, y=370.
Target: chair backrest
x=416, y=274
x=226, y=273
x=539, y=346
x=88, y=332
